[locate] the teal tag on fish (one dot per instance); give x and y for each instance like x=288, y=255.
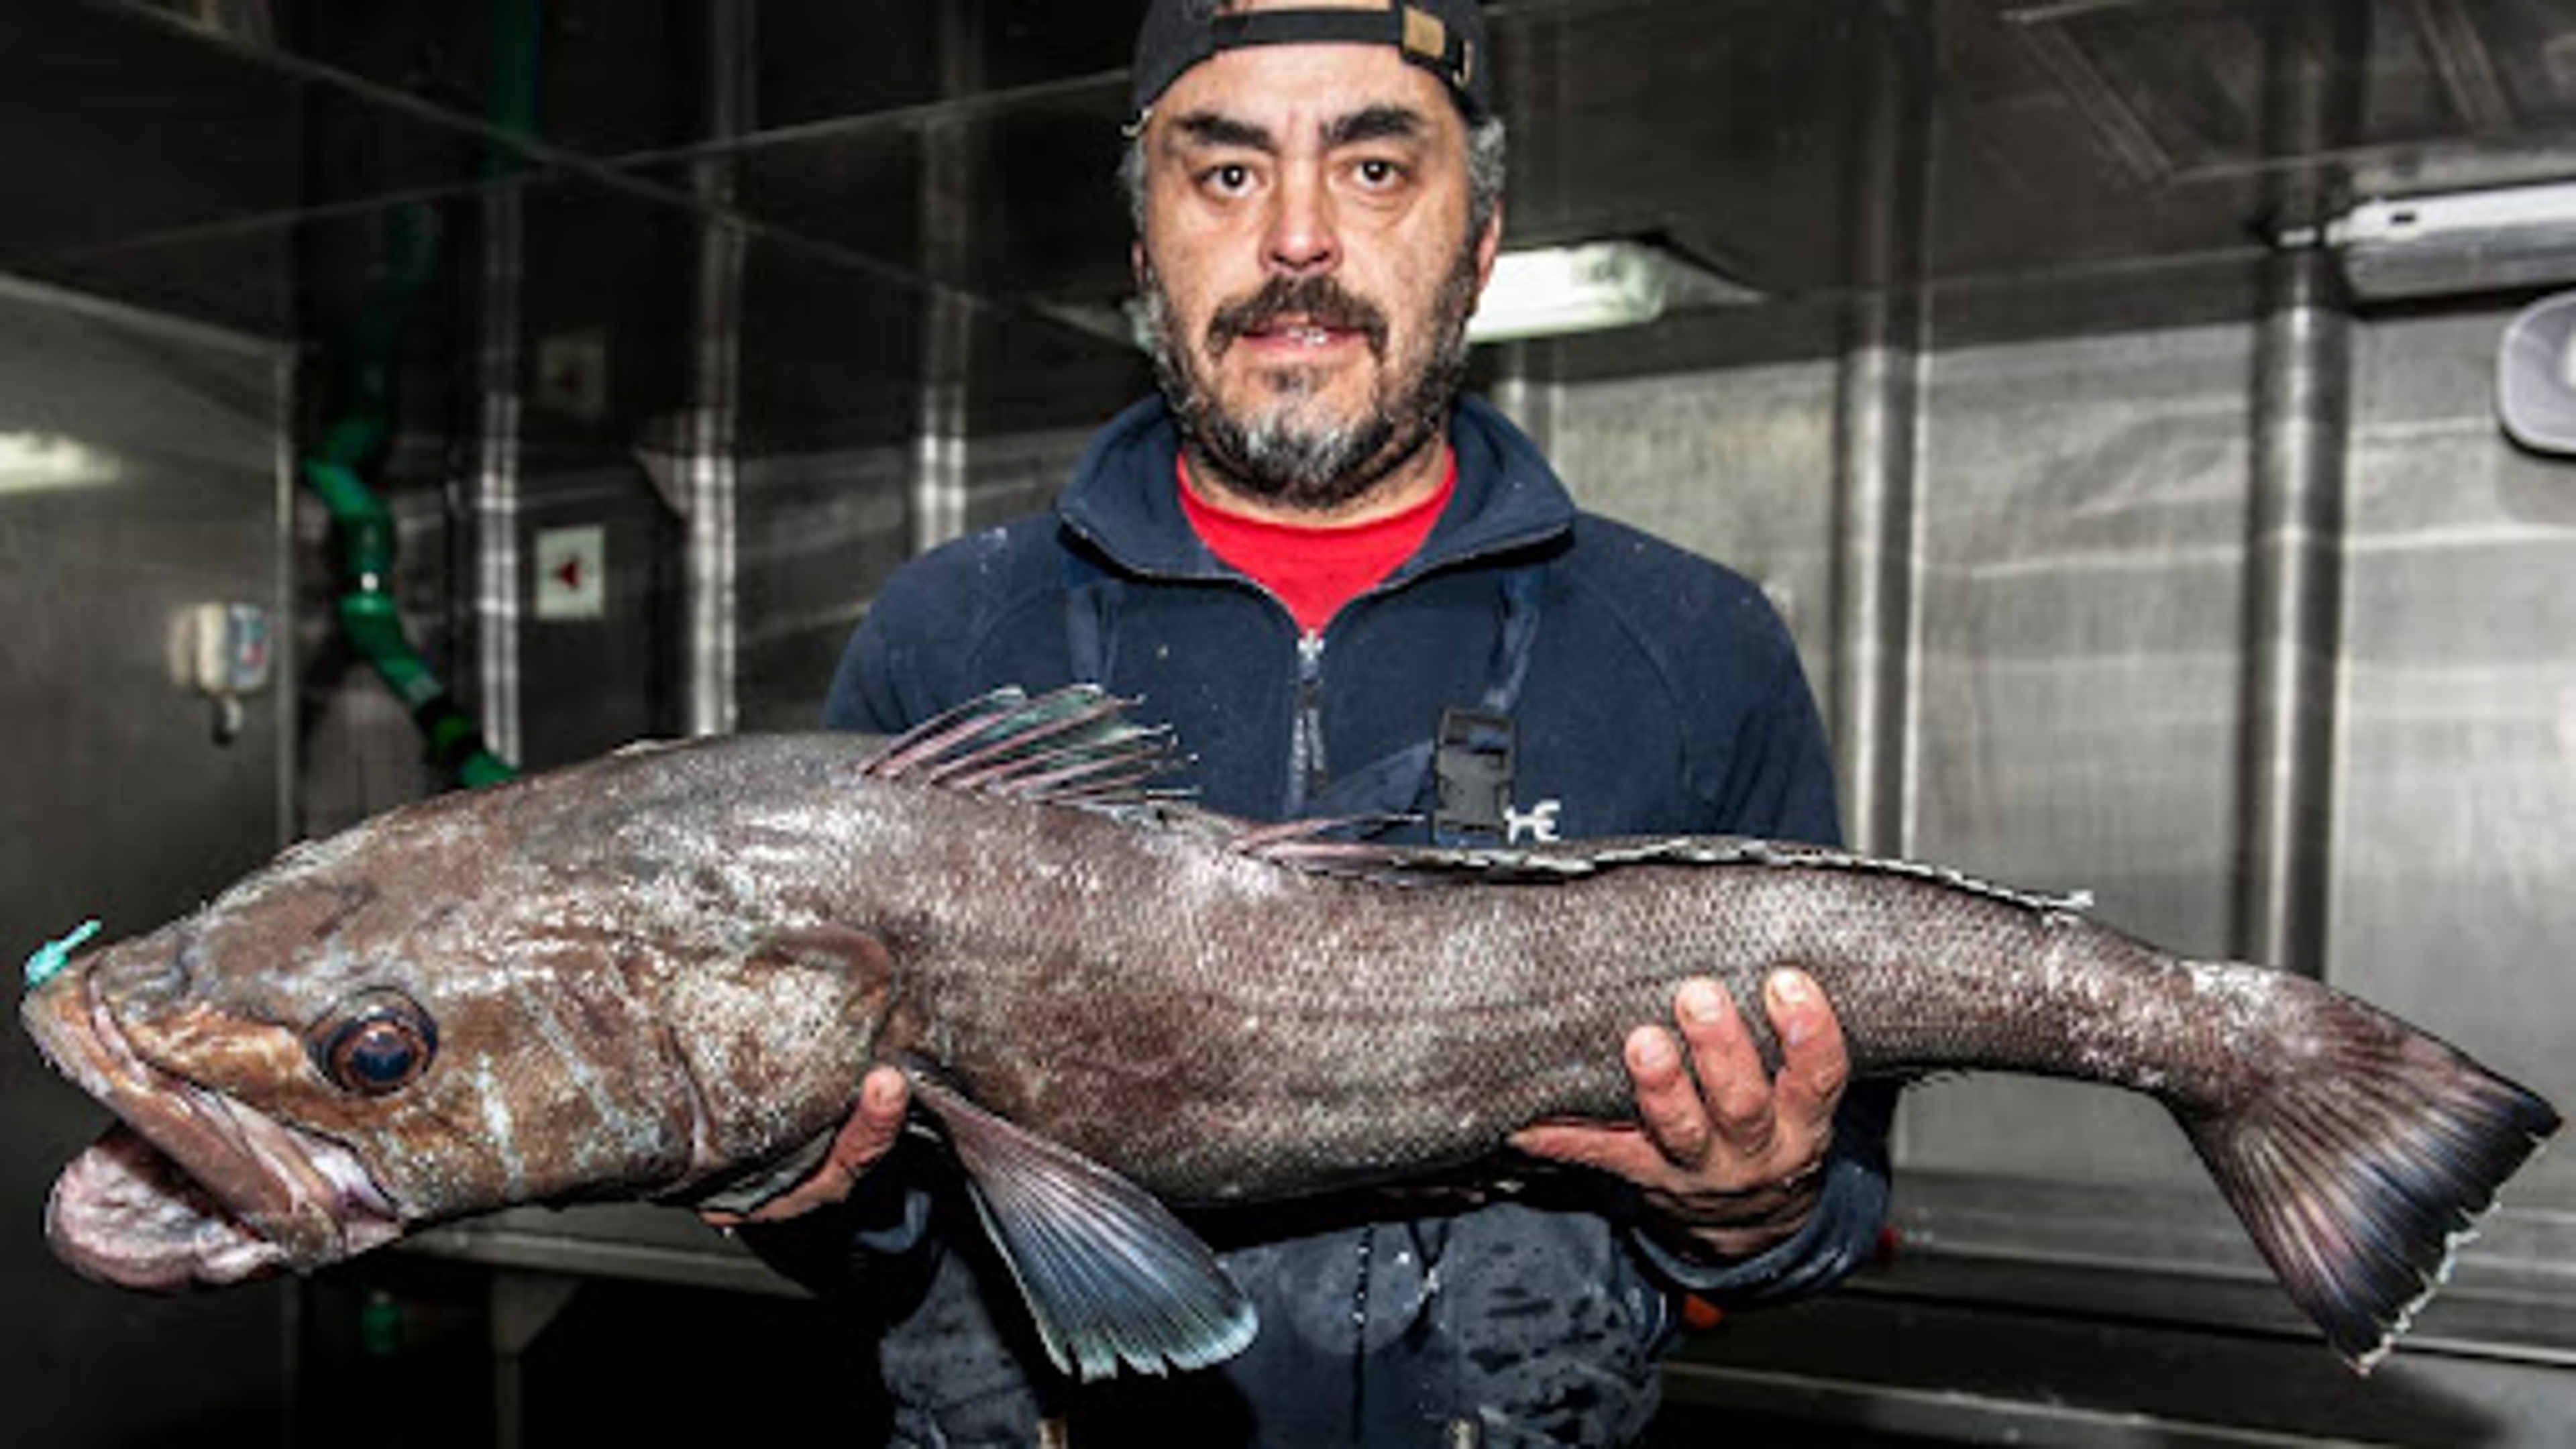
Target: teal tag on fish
x=50, y=958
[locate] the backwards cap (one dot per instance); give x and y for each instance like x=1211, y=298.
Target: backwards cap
x=1444, y=37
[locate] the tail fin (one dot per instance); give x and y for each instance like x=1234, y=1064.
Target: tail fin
x=2363, y=1165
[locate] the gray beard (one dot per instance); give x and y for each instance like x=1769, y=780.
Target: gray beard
x=1276, y=456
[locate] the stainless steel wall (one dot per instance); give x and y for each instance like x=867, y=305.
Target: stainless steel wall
x=2455, y=800
x=1736, y=464
x=2082, y=638
x=819, y=533
x=143, y=475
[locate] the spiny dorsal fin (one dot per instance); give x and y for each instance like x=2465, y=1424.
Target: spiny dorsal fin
x=1073, y=745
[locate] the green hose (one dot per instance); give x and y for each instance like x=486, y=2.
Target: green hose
x=364, y=528
x=371, y=354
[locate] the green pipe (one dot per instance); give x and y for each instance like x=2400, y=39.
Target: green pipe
x=354, y=440
x=372, y=624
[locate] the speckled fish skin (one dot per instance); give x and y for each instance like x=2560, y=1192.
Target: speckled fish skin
x=616, y=1013
x=664, y=972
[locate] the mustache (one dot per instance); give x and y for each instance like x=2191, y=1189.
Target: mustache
x=1319, y=299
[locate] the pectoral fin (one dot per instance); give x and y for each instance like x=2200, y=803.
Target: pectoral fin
x=1109, y=1274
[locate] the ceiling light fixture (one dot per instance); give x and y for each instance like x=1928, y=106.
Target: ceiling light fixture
x=2459, y=241
x=1558, y=290
x=1593, y=287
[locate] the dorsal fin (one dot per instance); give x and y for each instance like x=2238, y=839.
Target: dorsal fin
x=1434, y=865
x=1073, y=745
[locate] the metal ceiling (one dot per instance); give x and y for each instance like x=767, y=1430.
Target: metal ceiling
x=186, y=153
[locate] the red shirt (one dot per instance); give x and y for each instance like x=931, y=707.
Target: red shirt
x=1315, y=569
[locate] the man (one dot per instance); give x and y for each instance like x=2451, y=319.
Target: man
x=1311, y=556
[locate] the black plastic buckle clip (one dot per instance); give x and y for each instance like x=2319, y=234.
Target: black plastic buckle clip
x=1472, y=771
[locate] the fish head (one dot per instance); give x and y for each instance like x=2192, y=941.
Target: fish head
x=414, y=1021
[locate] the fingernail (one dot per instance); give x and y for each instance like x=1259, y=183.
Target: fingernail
x=1702, y=1003
x=1793, y=994
x=1651, y=1052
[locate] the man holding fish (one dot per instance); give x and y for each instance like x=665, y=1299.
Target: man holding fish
x=1354, y=593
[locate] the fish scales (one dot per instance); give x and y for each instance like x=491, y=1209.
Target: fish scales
x=662, y=974
x=1329, y=1054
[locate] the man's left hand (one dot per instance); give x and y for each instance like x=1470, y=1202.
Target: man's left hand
x=1731, y=1155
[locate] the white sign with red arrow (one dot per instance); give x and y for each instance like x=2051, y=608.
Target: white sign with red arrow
x=572, y=573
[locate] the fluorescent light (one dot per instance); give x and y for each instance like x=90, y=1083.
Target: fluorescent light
x=2417, y=220
x=1557, y=290
x=2412, y=246
x=1593, y=287
x=41, y=462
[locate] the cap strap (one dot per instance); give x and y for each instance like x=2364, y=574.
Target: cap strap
x=1421, y=36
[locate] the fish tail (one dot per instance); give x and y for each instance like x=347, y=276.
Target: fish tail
x=2362, y=1160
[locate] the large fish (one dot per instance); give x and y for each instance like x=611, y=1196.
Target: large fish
x=662, y=974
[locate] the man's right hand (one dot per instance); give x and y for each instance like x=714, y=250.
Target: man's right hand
x=870, y=1131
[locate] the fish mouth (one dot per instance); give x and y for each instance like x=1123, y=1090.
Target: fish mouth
x=190, y=1188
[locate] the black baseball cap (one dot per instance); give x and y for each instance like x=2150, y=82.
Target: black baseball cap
x=1444, y=37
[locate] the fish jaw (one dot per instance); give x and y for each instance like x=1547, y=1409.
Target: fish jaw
x=192, y=1188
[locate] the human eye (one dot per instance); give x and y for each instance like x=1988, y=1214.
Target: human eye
x=1227, y=179
x=1379, y=175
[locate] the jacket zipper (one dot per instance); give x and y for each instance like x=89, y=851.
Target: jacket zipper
x=1309, y=773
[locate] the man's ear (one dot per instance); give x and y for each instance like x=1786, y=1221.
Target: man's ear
x=1136, y=262
x=1488, y=247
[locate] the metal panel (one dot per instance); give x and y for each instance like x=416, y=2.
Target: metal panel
x=164, y=490
x=2084, y=531
x=2456, y=783
x=1018, y=474
x=820, y=534
x=1734, y=465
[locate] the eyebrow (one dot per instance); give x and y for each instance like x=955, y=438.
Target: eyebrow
x=1210, y=129
x=1375, y=123
x=1370, y=123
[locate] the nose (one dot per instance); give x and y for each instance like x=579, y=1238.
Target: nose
x=1301, y=240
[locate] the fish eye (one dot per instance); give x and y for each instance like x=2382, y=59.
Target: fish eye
x=381, y=1042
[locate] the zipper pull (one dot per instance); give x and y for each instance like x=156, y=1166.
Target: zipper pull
x=1310, y=656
